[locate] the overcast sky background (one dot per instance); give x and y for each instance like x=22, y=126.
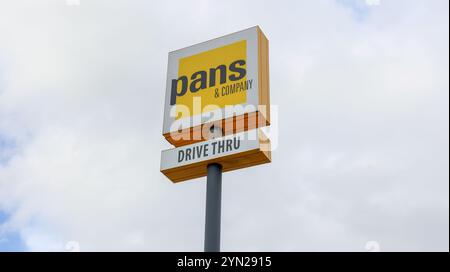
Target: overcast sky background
x=363, y=125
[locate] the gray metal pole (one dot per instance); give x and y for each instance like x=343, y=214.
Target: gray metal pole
x=213, y=207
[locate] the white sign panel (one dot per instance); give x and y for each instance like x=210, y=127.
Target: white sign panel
x=232, y=152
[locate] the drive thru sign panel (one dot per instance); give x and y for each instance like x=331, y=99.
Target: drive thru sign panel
x=233, y=152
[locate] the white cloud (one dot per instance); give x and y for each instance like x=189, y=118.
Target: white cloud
x=363, y=147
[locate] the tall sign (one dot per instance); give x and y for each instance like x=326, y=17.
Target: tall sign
x=217, y=96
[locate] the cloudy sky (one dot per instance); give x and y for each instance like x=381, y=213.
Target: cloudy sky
x=362, y=89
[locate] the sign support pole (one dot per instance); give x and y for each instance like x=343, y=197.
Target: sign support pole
x=213, y=207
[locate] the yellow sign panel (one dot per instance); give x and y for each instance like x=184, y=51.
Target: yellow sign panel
x=218, y=77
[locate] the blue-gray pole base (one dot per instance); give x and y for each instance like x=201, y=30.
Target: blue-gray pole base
x=213, y=207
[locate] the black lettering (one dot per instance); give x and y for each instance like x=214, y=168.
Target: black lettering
x=221, y=147
x=199, y=151
x=174, y=90
x=205, y=151
x=212, y=75
x=180, y=155
x=237, y=143
x=229, y=143
x=195, y=79
x=241, y=71
x=199, y=80
x=188, y=154
x=214, y=147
